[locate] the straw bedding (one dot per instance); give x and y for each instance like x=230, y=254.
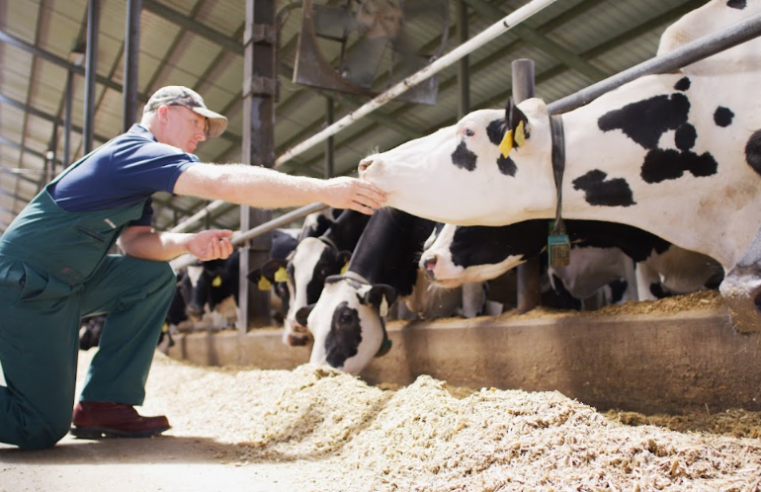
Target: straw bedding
x=342, y=434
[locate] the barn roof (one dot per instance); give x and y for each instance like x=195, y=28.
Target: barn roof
x=199, y=44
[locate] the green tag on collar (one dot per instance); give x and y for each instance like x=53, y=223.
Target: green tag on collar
x=559, y=250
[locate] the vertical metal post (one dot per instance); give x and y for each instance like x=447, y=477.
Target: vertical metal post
x=66, y=160
x=93, y=20
x=529, y=274
x=463, y=71
x=259, y=92
x=329, y=145
x=131, y=50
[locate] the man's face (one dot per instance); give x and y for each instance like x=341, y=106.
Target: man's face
x=185, y=128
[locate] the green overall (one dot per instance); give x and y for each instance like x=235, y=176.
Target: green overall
x=54, y=269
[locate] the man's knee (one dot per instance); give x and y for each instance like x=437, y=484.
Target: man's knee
x=38, y=434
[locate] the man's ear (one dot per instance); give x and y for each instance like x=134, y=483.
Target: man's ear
x=516, y=126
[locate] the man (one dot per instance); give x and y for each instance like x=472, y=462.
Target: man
x=54, y=268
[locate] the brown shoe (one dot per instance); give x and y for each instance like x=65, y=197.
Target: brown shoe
x=94, y=419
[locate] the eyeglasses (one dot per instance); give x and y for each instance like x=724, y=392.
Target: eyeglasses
x=195, y=119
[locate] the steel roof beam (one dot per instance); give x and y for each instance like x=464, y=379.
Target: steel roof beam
x=212, y=35
x=533, y=37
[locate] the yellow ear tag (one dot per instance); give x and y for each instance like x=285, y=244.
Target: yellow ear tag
x=281, y=275
x=165, y=328
x=264, y=284
x=217, y=281
x=520, y=134
x=507, y=143
x=344, y=268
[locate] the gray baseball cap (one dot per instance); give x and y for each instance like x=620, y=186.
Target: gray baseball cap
x=177, y=95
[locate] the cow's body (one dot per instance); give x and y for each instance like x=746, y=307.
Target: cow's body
x=712, y=17
x=601, y=253
x=676, y=155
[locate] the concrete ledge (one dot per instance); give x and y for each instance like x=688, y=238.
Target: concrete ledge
x=646, y=363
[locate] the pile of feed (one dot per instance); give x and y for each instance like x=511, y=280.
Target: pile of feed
x=346, y=435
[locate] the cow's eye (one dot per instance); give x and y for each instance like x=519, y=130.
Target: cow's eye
x=469, y=132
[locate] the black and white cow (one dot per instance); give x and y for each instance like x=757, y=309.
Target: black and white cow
x=214, y=282
x=347, y=322
x=311, y=262
x=673, y=154
x=601, y=253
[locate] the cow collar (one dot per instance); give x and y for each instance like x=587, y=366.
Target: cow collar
x=558, y=245
x=328, y=241
x=357, y=281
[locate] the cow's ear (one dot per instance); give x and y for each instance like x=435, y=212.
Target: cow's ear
x=343, y=260
x=517, y=128
x=261, y=281
x=380, y=296
x=271, y=269
x=303, y=314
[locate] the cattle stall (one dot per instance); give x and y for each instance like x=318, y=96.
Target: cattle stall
x=672, y=355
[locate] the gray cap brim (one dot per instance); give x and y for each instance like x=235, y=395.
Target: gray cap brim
x=217, y=122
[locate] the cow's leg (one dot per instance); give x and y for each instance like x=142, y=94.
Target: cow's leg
x=741, y=289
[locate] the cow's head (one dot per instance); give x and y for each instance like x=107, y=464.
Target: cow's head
x=309, y=265
x=473, y=161
x=348, y=323
x=462, y=254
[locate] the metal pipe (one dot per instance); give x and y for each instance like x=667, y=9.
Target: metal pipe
x=529, y=274
x=463, y=67
x=93, y=18
x=131, y=49
x=329, y=145
x=241, y=237
x=474, y=43
x=681, y=57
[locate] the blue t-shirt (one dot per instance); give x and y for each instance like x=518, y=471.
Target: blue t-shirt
x=124, y=171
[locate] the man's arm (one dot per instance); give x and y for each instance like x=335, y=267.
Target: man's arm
x=265, y=188
x=144, y=242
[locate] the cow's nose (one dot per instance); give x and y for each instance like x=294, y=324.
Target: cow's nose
x=429, y=263
x=298, y=339
x=364, y=164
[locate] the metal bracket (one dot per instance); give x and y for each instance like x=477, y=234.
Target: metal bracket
x=260, y=33
x=260, y=86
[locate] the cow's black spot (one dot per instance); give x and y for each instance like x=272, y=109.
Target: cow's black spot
x=496, y=131
x=661, y=165
x=753, y=151
x=723, y=116
x=737, y=4
x=564, y=297
x=645, y=121
x=462, y=157
x=506, y=165
x=484, y=245
x=597, y=191
x=657, y=290
x=685, y=137
x=682, y=84
x=617, y=290
x=344, y=337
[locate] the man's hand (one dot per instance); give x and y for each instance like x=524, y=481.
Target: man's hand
x=345, y=192
x=211, y=245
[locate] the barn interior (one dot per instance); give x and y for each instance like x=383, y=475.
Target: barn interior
x=59, y=99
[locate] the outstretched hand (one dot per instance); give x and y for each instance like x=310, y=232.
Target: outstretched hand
x=211, y=245
x=345, y=192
